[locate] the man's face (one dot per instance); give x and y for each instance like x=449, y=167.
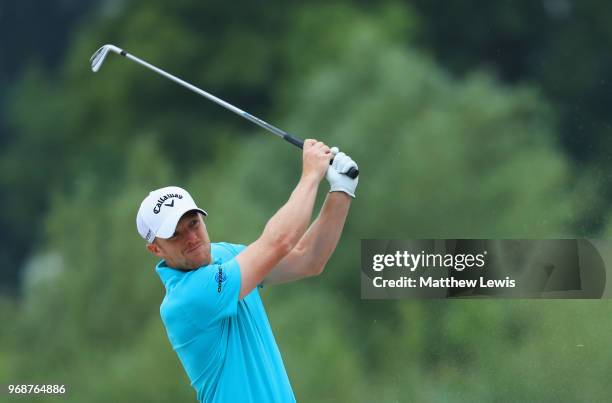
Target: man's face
x=188, y=248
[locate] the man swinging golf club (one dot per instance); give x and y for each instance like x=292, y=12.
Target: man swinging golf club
x=212, y=311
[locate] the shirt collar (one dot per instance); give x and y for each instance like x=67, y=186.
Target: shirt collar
x=166, y=273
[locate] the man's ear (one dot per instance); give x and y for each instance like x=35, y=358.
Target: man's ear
x=154, y=249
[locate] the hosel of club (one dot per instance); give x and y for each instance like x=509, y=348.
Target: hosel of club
x=98, y=58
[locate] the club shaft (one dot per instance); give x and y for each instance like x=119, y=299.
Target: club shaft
x=271, y=128
x=98, y=58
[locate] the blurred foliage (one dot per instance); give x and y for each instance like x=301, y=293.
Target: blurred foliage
x=558, y=46
x=440, y=155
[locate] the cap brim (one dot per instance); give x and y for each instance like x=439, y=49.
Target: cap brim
x=166, y=230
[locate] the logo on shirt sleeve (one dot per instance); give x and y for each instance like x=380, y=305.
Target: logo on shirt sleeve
x=220, y=278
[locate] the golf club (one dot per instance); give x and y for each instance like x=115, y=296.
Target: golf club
x=98, y=58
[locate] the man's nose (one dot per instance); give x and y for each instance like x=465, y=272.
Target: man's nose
x=192, y=236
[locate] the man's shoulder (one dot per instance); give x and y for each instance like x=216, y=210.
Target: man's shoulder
x=226, y=249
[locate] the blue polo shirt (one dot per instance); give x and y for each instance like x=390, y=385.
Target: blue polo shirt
x=225, y=345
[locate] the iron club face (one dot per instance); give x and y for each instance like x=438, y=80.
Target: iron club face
x=98, y=57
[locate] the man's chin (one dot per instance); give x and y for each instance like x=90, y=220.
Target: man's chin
x=199, y=262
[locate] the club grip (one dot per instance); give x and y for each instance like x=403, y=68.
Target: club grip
x=296, y=142
x=351, y=173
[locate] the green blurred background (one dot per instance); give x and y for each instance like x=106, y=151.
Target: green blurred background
x=467, y=119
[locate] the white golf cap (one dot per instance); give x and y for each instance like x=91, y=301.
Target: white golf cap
x=161, y=210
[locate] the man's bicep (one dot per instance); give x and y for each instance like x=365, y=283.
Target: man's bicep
x=255, y=263
x=290, y=268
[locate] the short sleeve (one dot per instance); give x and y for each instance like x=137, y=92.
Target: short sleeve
x=234, y=249
x=213, y=291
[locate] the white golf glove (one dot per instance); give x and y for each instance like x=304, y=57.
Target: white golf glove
x=335, y=174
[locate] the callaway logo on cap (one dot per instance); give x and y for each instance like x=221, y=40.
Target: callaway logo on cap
x=161, y=210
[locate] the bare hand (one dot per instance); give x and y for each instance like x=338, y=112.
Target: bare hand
x=315, y=159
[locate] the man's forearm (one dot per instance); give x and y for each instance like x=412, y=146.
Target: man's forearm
x=289, y=223
x=321, y=239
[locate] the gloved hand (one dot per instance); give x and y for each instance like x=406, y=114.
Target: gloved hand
x=337, y=181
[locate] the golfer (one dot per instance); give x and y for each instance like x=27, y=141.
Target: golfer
x=212, y=311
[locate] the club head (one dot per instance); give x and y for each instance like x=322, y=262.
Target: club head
x=98, y=57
